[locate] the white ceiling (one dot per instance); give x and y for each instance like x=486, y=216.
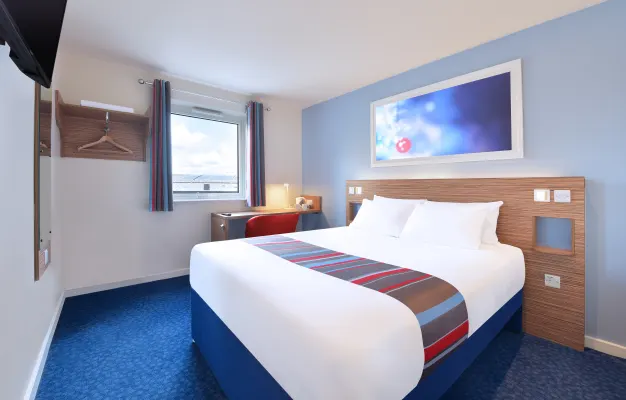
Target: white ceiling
x=307, y=51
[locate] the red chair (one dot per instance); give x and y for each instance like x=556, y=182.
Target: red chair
x=264, y=225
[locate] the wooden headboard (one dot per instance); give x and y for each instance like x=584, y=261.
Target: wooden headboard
x=554, y=314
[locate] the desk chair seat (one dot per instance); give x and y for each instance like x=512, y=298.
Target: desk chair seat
x=264, y=225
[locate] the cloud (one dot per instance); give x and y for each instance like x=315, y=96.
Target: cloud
x=183, y=138
x=203, y=147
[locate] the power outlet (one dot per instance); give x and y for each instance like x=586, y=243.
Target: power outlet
x=351, y=190
x=359, y=190
x=553, y=281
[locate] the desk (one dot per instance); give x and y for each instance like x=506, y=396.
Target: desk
x=220, y=222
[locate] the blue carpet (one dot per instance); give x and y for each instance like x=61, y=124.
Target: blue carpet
x=135, y=343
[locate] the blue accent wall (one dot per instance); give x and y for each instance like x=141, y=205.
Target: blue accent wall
x=574, y=125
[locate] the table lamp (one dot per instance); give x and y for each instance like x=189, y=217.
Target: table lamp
x=287, y=194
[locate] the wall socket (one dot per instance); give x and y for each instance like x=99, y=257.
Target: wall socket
x=351, y=190
x=359, y=190
x=553, y=281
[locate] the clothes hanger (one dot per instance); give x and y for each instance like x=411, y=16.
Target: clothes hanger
x=106, y=139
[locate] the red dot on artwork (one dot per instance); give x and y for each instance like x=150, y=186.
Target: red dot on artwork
x=403, y=145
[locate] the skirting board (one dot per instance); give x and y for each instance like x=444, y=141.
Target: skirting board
x=33, y=384
x=128, y=282
x=603, y=346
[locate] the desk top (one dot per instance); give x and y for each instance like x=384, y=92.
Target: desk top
x=254, y=213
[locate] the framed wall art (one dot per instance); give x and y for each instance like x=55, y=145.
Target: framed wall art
x=474, y=117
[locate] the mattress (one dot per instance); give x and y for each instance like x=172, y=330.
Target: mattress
x=325, y=338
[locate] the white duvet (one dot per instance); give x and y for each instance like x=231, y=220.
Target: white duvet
x=324, y=338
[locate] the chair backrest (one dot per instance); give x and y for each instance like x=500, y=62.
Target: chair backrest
x=264, y=225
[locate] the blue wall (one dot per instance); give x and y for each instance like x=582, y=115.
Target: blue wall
x=574, y=125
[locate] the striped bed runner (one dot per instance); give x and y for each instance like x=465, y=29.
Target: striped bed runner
x=438, y=306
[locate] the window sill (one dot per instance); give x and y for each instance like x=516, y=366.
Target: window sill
x=214, y=199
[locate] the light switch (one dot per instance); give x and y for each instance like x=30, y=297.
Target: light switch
x=359, y=190
x=542, y=195
x=351, y=190
x=562, y=196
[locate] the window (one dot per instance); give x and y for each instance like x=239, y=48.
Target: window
x=207, y=157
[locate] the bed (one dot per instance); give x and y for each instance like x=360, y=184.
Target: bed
x=272, y=329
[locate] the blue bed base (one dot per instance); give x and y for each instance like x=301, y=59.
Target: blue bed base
x=241, y=376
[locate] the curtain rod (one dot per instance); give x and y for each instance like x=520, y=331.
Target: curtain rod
x=149, y=83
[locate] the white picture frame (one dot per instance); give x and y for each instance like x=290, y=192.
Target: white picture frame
x=517, y=118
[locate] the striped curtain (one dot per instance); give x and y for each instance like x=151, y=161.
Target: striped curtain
x=160, y=144
x=256, y=168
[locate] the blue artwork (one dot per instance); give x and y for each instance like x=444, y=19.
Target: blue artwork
x=474, y=117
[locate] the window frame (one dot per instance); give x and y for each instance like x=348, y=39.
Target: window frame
x=240, y=121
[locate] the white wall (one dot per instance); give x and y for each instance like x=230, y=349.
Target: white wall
x=27, y=307
x=283, y=151
x=108, y=234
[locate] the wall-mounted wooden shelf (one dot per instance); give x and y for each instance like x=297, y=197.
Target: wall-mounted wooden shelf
x=554, y=250
x=80, y=125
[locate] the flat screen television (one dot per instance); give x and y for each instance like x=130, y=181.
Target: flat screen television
x=32, y=29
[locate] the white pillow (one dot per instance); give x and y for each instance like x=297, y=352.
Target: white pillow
x=445, y=224
x=491, y=222
x=381, y=219
x=391, y=202
x=363, y=215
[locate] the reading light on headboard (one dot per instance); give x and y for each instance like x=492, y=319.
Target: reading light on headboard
x=542, y=195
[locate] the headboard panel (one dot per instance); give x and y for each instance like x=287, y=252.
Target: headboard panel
x=554, y=314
